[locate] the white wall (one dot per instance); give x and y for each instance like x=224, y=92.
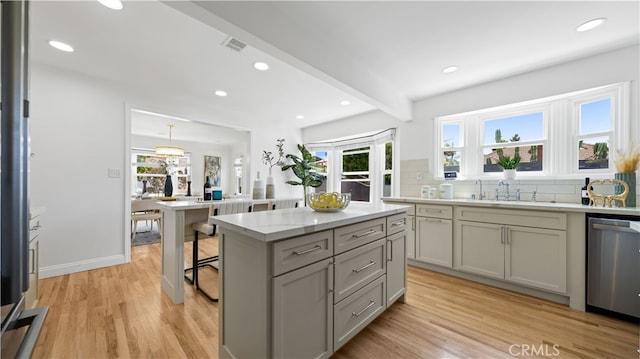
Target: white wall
x=78, y=132
x=415, y=138
x=264, y=139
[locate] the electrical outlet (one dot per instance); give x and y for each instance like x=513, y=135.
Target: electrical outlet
x=419, y=176
x=114, y=173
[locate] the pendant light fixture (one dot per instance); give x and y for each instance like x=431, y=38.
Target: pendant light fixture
x=169, y=151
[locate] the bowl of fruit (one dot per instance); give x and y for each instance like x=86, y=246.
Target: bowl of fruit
x=328, y=202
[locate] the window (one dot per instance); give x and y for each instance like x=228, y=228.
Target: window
x=560, y=136
x=149, y=168
x=355, y=174
x=519, y=136
x=594, y=135
x=387, y=172
x=363, y=166
x=451, y=146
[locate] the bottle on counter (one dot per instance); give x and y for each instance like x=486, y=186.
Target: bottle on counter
x=584, y=193
x=207, y=190
x=258, y=188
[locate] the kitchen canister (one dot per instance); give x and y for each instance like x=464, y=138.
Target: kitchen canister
x=446, y=191
x=424, y=191
x=433, y=193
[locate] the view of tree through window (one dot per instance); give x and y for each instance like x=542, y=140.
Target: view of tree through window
x=355, y=173
x=595, y=134
x=501, y=138
x=153, y=170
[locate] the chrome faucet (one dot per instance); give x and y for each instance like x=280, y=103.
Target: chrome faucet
x=506, y=191
x=481, y=194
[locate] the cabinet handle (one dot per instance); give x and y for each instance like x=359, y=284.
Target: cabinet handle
x=508, y=235
x=371, y=231
x=315, y=248
x=433, y=220
x=398, y=223
x=32, y=253
x=413, y=223
x=390, y=246
x=434, y=210
x=502, y=234
x=371, y=304
x=363, y=268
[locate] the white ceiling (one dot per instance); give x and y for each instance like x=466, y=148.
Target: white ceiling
x=379, y=55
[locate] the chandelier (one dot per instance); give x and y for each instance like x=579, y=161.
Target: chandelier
x=169, y=151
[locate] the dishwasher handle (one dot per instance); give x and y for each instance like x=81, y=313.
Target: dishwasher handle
x=613, y=228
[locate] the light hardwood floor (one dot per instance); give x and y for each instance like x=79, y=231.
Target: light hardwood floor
x=121, y=312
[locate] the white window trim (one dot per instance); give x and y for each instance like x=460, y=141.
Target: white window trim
x=564, y=161
x=375, y=142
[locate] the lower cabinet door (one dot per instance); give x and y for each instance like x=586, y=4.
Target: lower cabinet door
x=434, y=241
x=536, y=257
x=358, y=310
x=396, y=267
x=479, y=248
x=303, y=312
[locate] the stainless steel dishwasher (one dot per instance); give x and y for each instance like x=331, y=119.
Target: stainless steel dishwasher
x=613, y=264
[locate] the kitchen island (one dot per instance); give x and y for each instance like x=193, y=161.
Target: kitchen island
x=300, y=283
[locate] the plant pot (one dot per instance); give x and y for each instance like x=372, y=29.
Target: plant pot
x=509, y=174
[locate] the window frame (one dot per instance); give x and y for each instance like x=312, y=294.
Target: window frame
x=376, y=143
x=555, y=133
x=135, y=152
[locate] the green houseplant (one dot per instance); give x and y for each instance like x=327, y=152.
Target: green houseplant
x=306, y=168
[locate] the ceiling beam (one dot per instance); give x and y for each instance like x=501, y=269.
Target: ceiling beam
x=309, y=55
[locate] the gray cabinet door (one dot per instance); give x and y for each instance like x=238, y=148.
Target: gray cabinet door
x=434, y=241
x=396, y=267
x=303, y=312
x=536, y=257
x=480, y=248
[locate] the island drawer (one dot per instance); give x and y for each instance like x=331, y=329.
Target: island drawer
x=396, y=223
x=430, y=210
x=358, y=310
x=355, y=235
x=299, y=252
x=358, y=267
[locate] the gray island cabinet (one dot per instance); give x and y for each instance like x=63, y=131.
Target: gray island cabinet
x=296, y=283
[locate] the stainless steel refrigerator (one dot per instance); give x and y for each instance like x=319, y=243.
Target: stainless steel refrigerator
x=20, y=327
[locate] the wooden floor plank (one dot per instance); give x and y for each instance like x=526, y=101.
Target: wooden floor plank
x=122, y=312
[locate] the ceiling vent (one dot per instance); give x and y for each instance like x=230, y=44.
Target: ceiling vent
x=234, y=44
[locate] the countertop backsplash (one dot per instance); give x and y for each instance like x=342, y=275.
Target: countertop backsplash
x=416, y=173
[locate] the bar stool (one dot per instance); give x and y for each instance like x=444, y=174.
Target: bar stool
x=209, y=229
x=283, y=203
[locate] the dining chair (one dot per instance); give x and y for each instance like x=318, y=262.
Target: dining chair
x=209, y=229
x=283, y=203
x=144, y=210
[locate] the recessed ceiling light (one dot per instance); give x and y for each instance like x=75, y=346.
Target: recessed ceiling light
x=61, y=46
x=220, y=93
x=345, y=102
x=112, y=4
x=450, y=69
x=261, y=66
x=300, y=117
x=591, y=24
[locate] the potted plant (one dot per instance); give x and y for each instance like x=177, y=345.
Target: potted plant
x=508, y=163
x=269, y=159
x=306, y=169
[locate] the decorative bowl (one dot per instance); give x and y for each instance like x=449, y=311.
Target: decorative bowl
x=328, y=202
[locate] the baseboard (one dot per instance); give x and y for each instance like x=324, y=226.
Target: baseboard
x=81, y=266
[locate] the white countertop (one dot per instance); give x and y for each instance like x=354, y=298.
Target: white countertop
x=279, y=224
x=546, y=206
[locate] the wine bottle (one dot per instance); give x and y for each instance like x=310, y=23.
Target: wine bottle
x=585, y=194
x=207, y=190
